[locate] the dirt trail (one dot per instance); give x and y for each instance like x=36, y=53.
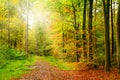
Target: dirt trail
x=44, y=71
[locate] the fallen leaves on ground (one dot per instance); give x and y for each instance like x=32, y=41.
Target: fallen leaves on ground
x=44, y=71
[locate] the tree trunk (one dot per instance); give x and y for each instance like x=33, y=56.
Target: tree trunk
x=90, y=54
x=95, y=39
x=8, y=24
x=26, y=42
x=107, y=42
x=118, y=36
x=76, y=27
x=37, y=45
x=114, y=20
x=84, y=30
x=111, y=33
x=63, y=36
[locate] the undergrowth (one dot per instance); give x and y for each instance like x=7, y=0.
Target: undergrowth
x=13, y=63
x=15, y=68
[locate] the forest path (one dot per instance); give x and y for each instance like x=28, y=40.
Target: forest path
x=43, y=70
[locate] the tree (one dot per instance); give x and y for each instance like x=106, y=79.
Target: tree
x=111, y=31
x=8, y=23
x=90, y=53
x=95, y=37
x=76, y=27
x=107, y=42
x=84, y=29
x=118, y=35
x=26, y=41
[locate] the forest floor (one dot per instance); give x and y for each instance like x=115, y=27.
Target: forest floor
x=43, y=70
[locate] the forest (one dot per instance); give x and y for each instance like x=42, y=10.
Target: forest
x=59, y=39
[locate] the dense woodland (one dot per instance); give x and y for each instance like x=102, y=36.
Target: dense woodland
x=71, y=30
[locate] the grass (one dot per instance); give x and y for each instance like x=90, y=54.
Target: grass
x=58, y=63
x=15, y=68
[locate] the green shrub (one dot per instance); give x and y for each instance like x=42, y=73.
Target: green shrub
x=7, y=54
x=10, y=54
x=3, y=63
x=15, y=68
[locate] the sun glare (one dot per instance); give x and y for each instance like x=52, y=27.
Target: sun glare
x=37, y=14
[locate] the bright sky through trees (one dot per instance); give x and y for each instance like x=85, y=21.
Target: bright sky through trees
x=38, y=13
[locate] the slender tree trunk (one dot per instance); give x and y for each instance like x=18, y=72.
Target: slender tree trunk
x=26, y=42
x=90, y=54
x=63, y=42
x=95, y=39
x=84, y=30
x=63, y=37
x=107, y=39
x=76, y=27
x=114, y=20
x=118, y=36
x=114, y=10
x=111, y=32
x=75, y=18
x=8, y=24
x=37, y=42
